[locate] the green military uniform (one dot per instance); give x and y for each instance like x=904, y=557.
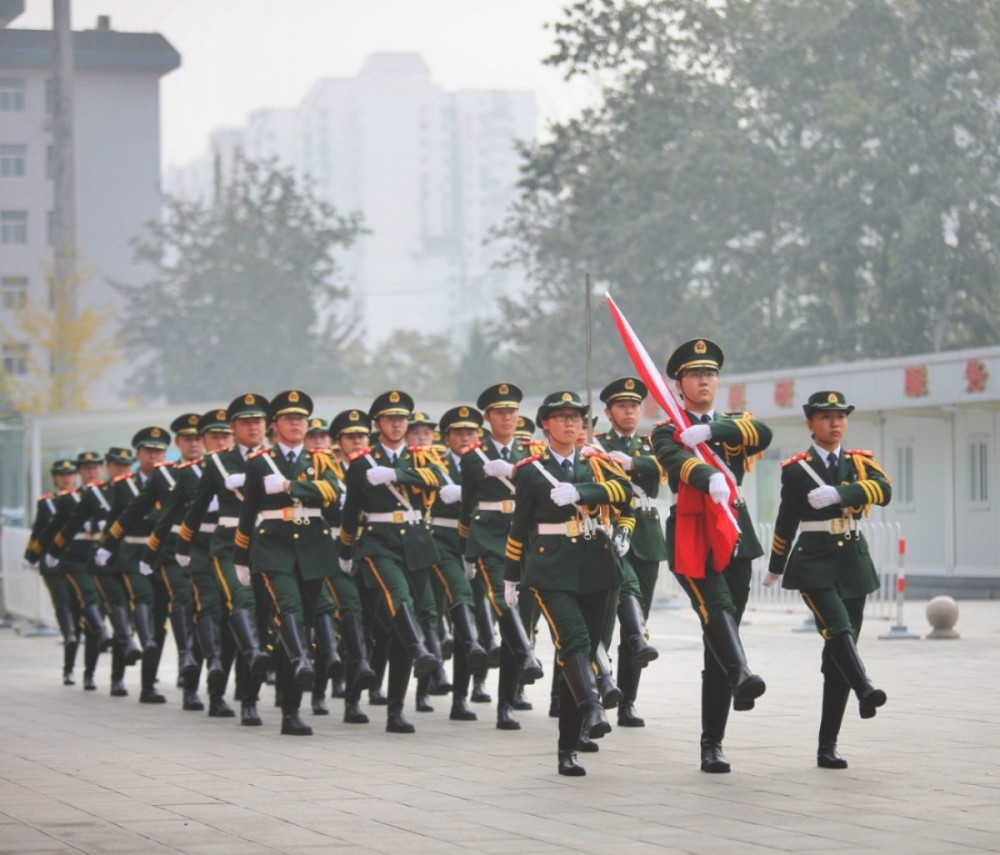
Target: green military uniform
x=718, y=598
x=563, y=552
x=830, y=563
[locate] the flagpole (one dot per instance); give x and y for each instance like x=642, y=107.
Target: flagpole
x=590, y=351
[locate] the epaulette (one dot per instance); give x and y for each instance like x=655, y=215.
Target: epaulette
x=789, y=461
x=185, y=464
x=45, y=496
x=667, y=421
x=67, y=492
x=258, y=453
x=359, y=454
x=121, y=477
x=471, y=448
x=526, y=461
x=325, y=452
x=593, y=452
x=418, y=449
x=864, y=452
x=739, y=414
x=163, y=463
x=215, y=451
x=97, y=484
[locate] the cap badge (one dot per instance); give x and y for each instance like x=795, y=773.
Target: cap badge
x=293, y=397
x=503, y=388
x=249, y=399
x=394, y=397
x=831, y=398
x=463, y=412
x=155, y=433
x=566, y=396
x=700, y=347
x=354, y=416
x=630, y=384
x=220, y=415
x=192, y=420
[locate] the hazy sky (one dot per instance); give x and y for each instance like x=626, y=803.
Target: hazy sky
x=241, y=55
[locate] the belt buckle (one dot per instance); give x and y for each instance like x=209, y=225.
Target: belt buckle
x=573, y=528
x=507, y=506
x=288, y=514
x=837, y=526
x=398, y=517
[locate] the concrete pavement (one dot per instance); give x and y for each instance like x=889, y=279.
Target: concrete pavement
x=84, y=772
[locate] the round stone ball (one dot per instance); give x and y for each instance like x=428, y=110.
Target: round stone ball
x=942, y=615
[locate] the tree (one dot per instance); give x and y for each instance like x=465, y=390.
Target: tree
x=422, y=364
x=246, y=292
x=803, y=180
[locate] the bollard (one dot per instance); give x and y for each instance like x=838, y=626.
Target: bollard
x=898, y=630
x=942, y=615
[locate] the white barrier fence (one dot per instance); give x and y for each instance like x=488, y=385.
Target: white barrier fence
x=24, y=592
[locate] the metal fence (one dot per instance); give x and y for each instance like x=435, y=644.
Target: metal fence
x=24, y=592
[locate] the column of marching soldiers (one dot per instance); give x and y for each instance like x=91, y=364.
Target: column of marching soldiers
x=358, y=554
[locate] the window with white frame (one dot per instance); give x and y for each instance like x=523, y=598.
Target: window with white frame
x=979, y=472
x=11, y=94
x=902, y=476
x=14, y=292
x=15, y=359
x=12, y=159
x=13, y=227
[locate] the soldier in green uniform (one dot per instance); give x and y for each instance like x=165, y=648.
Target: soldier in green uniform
x=488, y=506
x=641, y=564
x=719, y=598
x=284, y=538
x=215, y=510
x=562, y=547
x=386, y=489
x=825, y=491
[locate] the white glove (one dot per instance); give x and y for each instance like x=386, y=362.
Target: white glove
x=50, y=561
x=823, y=497
x=589, y=451
x=102, y=557
x=236, y=481
x=470, y=570
x=145, y=569
x=213, y=506
x=718, y=489
x=183, y=560
x=274, y=483
x=510, y=593
x=498, y=468
x=695, y=435
x=345, y=565
x=769, y=579
x=381, y=475
x=626, y=461
x=450, y=493
x=621, y=542
x=342, y=499
x=101, y=524
x=243, y=574
x=565, y=494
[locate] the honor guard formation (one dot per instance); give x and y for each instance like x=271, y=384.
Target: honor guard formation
x=354, y=555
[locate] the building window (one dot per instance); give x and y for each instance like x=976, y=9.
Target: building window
x=13, y=227
x=979, y=470
x=12, y=160
x=15, y=359
x=902, y=481
x=11, y=95
x=14, y=292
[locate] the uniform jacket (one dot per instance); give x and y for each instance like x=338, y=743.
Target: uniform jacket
x=89, y=516
x=485, y=532
x=136, y=513
x=212, y=485
x=45, y=512
x=162, y=542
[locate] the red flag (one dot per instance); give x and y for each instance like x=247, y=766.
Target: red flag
x=703, y=527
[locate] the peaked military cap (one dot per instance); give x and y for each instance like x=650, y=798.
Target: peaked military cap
x=827, y=400
x=525, y=428
x=499, y=396
x=186, y=425
x=561, y=401
x=89, y=457
x=696, y=353
x=151, y=437
x=292, y=402
x=461, y=417
x=248, y=406
x=350, y=421
x=419, y=418
x=624, y=389
x=63, y=466
x=214, y=420
x=391, y=403
x=120, y=455
x=318, y=425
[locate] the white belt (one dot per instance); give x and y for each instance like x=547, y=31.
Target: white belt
x=83, y=536
x=142, y=540
x=505, y=507
x=573, y=528
x=642, y=503
x=175, y=529
x=396, y=517
x=444, y=522
x=206, y=528
x=227, y=522
x=834, y=526
x=292, y=514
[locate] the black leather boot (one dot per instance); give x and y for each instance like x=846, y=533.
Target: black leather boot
x=399, y=678
x=143, y=617
x=362, y=675
x=182, y=625
x=293, y=639
x=835, y=695
x=218, y=708
x=292, y=724
x=319, y=696
x=586, y=745
x=715, y=701
x=844, y=653
x=118, y=689
x=568, y=765
x=249, y=691
x=123, y=634
x=464, y=622
x=244, y=627
x=610, y=694
x=723, y=639
x=521, y=702
x=69, y=660
x=438, y=682
x=628, y=682
x=353, y=713
x=554, y=692
x=209, y=635
x=570, y=732
x=326, y=641
x=484, y=626
x=446, y=640
x=633, y=632
x=410, y=633
x=479, y=694
x=513, y=633
x=578, y=674
x=423, y=701
x=91, y=652
x=95, y=625
x=149, y=695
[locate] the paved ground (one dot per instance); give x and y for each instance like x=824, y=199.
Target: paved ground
x=82, y=772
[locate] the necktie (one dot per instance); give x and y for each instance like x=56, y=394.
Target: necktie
x=567, y=466
x=832, y=465
x=291, y=458
x=392, y=459
x=705, y=419
x=627, y=442
x=505, y=453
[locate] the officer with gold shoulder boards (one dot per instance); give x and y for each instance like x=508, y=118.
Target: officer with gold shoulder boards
x=641, y=564
x=386, y=488
x=290, y=548
x=562, y=547
x=719, y=598
x=825, y=492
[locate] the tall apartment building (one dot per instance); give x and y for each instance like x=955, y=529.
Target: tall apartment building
x=116, y=120
x=431, y=171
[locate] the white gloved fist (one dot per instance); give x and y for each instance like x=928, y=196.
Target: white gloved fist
x=498, y=468
x=101, y=557
x=510, y=593
x=769, y=579
x=621, y=542
x=275, y=483
x=624, y=460
x=236, y=481
x=342, y=499
x=695, y=435
x=213, y=506
x=450, y=493
x=565, y=494
x=50, y=561
x=243, y=574
x=589, y=451
x=346, y=565
x=823, y=497
x=381, y=475
x=183, y=560
x=145, y=569
x=718, y=489
x=470, y=570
